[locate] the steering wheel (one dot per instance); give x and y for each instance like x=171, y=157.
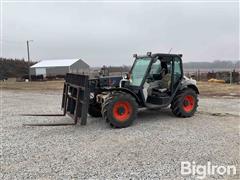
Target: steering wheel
x=150, y=78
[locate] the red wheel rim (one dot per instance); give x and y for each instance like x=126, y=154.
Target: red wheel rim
x=122, y=110
x=188, y=103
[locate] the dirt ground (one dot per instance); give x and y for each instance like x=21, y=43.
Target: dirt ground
x=218, y=89
x=34, y=85
x=152, y=148
x=206, y=88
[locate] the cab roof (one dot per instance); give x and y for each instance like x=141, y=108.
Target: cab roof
x=149, y=54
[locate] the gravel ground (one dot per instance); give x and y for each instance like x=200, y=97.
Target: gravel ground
x=153, y=147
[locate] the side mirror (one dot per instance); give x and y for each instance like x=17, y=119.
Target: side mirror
x=126, y=76
x=135, y=55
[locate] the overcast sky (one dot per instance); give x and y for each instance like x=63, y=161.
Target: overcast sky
x=109, y=33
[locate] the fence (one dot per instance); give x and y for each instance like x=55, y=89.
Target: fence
x=227, y=76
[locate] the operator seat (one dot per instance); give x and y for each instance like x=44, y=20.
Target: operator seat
x=158, y=86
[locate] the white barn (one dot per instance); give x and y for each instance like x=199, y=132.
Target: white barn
x=59, y=67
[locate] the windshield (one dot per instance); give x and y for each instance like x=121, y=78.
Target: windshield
x=138, y=71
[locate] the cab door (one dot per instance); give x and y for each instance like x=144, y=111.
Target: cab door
x=177, y=73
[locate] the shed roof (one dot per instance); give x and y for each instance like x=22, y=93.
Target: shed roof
x=55, y=63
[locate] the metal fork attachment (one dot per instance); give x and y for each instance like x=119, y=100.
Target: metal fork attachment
x=75, y=100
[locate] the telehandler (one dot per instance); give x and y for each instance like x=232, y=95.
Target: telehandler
x=155, y=81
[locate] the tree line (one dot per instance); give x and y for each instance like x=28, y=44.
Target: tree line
x=212, y=65
x=13, y=68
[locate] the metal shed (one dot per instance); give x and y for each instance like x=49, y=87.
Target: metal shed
x=59, y=67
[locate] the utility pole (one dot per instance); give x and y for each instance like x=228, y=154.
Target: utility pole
x=231, y=77
x=28, y=53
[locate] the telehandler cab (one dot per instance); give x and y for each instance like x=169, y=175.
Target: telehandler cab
x=155, y=81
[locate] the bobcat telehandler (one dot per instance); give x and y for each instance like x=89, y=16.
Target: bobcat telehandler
x=155, y=81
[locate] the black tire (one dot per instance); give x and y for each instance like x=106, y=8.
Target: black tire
x=94, y=110
x=181, y=105
x=119, y=109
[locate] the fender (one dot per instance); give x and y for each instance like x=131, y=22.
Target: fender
x=127, y=91
x=189, y=83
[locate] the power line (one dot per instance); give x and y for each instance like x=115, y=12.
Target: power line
x=12, y=42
